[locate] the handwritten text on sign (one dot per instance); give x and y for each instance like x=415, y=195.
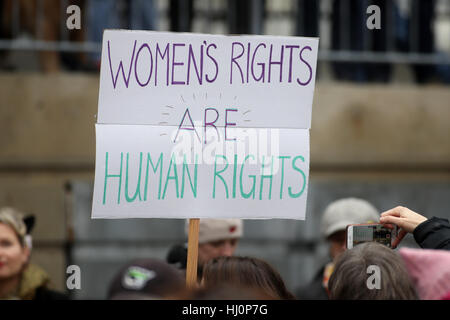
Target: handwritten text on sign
x=193, y=125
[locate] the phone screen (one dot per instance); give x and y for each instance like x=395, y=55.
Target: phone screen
x=369, y=233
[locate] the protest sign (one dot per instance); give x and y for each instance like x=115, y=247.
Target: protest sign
x=203, y=126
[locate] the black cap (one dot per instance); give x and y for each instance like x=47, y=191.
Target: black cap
x=30, y=221
x=145, y=279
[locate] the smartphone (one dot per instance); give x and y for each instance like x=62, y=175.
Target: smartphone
x=360, y=233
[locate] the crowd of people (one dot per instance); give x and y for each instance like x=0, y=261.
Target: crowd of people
x=347, y=26
x=403, y=274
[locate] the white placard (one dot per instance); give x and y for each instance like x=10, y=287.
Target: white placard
x=195, y=125
x=153, y=77
x=138, y=174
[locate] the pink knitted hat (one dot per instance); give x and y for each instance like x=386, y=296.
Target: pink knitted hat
x=429, y=270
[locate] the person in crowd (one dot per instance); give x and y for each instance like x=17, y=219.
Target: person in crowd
x=335, y=219
x=20, y=279
x=430, y=272
x=245, y=272
x=246, y=17
x=146, y=279
x=217, y=238
x=355, y=275
x=143, y=15
x=181, y=15
x=116, y=14
x=42, y=20
x=423, y=17
x=101, y=15
x=433, y=233
x=222, y=292
x=349, y=33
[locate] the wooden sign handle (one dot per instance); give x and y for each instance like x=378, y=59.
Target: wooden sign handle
x=192, y=254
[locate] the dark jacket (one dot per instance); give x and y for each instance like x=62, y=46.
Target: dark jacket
x=177, y=256
x=433, y=233
x=45, y=294
x=314, y=290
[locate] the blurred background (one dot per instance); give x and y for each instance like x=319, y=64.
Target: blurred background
x=380, y=124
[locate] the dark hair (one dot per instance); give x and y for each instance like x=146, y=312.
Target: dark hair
x=221, y=292
x=349, y=280
x=246, y=272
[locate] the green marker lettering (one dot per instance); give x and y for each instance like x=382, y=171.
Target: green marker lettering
x=158, y=164
x=138, y=187
x=112, y=176
x=234, y=176
x=174, y=177
x=269, y=176
x=282, y=173
x=217, y=174
x=296, y=195
x=186, y=169
x=252, y=191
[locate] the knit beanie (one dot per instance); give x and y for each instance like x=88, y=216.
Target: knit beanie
x=429, y=270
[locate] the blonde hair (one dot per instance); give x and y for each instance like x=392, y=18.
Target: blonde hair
x=14, y=218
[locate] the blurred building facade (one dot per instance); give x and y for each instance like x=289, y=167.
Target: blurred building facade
x=380, y=124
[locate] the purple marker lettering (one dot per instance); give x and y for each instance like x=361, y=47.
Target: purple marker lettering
x=211, y=123
x=309, y=67
x=261, y=64
x=290, y=48
x=126, y=80
x=248, y=60
x=187, y=128
x=192, y=57
x=136, y=65
x=176, y=63
x=280, y=63
x=158, y=53
x=214, y=61
x=229, y=123
x=233, y=60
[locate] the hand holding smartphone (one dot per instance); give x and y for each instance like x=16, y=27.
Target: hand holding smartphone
x=370, y=232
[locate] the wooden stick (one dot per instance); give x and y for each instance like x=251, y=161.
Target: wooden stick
x=192, y=258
